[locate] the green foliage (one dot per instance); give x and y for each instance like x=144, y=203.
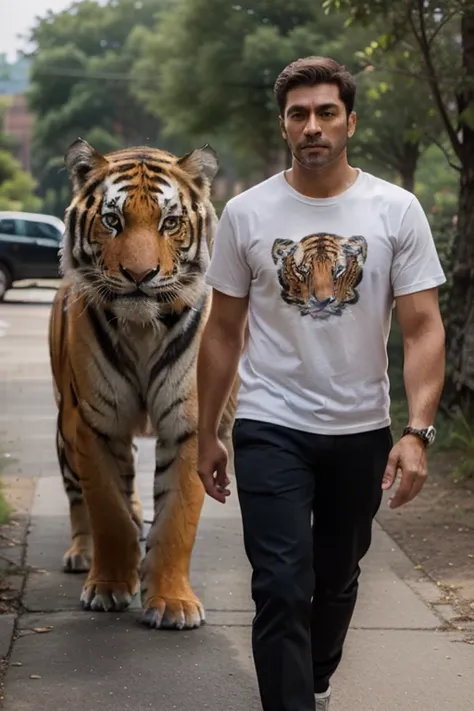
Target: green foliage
x=209, y=66
x=186, y=71
x=17, y=193
x=420, y=41
x=5, y=509
x=8, y=166
x=208, y=69
x=396, y=124
x=17, y=187
x=81, y=86
x=458, y=438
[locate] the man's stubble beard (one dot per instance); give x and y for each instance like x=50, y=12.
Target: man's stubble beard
x=328, y=156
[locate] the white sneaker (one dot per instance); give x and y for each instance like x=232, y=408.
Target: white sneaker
x=322, y=700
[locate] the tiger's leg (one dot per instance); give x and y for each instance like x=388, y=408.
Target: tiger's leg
x=104, y=464
x=78, y=557
x=167, y=597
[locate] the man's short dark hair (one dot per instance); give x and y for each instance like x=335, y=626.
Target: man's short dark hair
x=310, y=71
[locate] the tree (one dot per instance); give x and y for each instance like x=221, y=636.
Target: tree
x=397, y=123
x=441, y=34
x=209, y=67
x=208, y=70
x=17, y=187
x=80, y=86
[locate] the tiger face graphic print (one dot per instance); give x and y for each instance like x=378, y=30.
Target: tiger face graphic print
x=320, y=274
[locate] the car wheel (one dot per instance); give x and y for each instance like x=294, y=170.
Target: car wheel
x=5, y=281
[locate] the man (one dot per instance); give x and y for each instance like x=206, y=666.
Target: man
x=313, y=260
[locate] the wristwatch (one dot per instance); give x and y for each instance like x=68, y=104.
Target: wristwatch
x=427, y=434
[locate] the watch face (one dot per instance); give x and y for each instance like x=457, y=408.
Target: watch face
x=430, y=435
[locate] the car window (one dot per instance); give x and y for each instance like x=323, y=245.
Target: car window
x=8, y=226
x=39, y=230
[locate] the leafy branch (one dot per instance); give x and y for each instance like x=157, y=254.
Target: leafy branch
x=424, y=45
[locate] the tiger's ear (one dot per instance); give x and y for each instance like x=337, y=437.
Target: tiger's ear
x=202, y=164
x=282, y=248
x=81, y=159
x=357, y=246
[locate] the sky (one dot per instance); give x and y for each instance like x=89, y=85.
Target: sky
x=19, y=17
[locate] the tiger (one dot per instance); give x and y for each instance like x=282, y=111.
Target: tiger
x=321, y=273
x=124, y=333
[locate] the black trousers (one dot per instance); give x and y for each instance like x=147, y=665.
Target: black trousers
x=308, y=503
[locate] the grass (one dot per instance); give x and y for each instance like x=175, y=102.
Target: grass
x=5, y=510
x=457, y=437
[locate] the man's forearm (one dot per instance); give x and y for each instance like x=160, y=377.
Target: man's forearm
x=217, y=367
x=424, y=372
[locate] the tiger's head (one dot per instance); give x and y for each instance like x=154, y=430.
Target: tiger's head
x=140, y=226
x=320, y=273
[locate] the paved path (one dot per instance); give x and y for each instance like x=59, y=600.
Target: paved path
x=400, y=654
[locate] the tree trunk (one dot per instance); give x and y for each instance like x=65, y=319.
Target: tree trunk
x=408, y=180
x=460, y=316
x=409, y=163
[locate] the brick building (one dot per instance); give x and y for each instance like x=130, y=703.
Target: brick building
x=17, y=121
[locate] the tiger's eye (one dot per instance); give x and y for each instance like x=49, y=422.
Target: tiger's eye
x=171, y=223
x=112, y=221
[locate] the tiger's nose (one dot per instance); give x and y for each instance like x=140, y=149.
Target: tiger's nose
x=139, y=277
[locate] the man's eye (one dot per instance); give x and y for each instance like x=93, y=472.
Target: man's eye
x=171, y=223
x=112, y=221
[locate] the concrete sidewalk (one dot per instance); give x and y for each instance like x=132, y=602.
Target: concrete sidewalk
x=400, y=653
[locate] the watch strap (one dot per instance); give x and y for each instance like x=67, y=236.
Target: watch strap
x=426, y=434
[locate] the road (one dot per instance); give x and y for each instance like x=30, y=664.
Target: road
x=400, y=652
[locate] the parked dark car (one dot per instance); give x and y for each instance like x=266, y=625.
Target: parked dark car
x=29, y=245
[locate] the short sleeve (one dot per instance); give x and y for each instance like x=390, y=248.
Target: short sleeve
x=228, y=270
x=416, y=265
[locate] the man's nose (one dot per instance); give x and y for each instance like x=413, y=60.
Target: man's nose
x=312, y=125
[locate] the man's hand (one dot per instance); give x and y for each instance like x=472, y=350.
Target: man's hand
x=212, y=469
x=408, y=455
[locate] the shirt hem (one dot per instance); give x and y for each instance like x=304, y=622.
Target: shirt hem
x=224, y=288
x=245, y=414
x=420, y=286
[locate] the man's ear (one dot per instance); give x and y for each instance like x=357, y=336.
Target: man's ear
x=351, y=124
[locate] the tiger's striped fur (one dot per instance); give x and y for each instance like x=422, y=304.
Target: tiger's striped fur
x=124, y=334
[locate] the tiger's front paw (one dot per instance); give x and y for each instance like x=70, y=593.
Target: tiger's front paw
x=168, y=613
x=78, y=558
x=102, y=595
x=169, y=603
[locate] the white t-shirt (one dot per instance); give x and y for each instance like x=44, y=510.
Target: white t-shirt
x=321, y=275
